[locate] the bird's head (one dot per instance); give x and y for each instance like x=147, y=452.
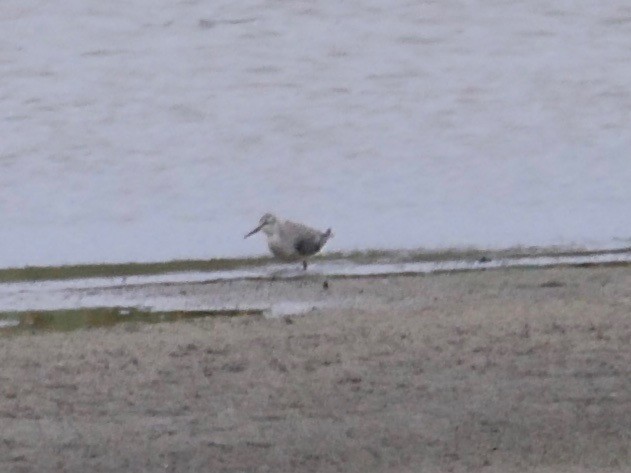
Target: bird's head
x=266, y=223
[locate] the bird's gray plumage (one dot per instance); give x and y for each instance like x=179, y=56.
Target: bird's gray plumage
x=310, y=245
x=291, y=241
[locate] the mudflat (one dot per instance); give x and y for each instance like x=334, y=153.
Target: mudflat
x=501, y=371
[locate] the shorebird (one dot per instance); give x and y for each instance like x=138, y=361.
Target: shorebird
x=291, y=241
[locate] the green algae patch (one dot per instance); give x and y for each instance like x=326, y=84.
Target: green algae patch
x=41, y=321
x=81, y=271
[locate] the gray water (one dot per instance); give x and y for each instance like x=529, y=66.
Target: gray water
x=157, y=130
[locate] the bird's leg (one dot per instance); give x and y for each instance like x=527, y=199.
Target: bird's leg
x=304, y=265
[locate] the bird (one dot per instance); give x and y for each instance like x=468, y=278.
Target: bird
x=291, y=241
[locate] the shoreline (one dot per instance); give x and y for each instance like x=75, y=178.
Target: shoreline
x=172, y=294
x=354, y=258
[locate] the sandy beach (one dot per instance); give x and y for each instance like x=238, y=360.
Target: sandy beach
x=496, y=371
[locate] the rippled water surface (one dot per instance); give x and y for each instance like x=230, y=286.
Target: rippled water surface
x=156, y=130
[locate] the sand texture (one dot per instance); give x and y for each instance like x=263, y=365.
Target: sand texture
x=495, y=371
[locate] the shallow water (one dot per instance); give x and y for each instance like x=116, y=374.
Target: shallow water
x=217, y=291
x=155, y=130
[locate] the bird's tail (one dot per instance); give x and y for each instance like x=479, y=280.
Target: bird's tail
x=328, y=234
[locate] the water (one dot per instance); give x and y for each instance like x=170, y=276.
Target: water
x=156, y=130
x=225, y=291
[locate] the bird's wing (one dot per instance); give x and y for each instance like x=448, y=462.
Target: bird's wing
x=306, y=240
x=298, y=229
x=307, y=246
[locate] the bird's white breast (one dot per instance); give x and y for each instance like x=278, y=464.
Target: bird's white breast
x=281, y=249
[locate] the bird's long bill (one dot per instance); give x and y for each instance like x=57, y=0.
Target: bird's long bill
x=254, y=231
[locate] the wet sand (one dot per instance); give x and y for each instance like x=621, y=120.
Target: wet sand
x=498, y=371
